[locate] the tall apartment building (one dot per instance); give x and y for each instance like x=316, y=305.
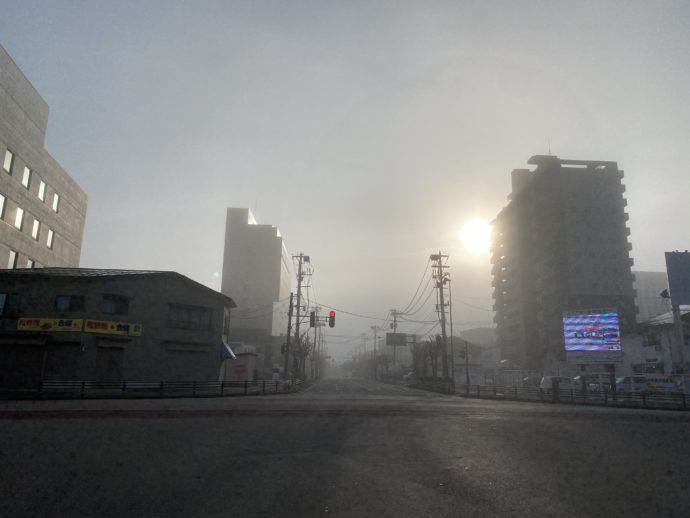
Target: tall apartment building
x=561, y=243
x=257, y=274
x=42, y=209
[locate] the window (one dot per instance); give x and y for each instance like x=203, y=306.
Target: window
x=115, y=305
x=29, y=263
x=2, y=206
x=49, y=241
x=66, y=303
x=19, y=218
x=42, y=191
x=56, y=202
x=9, y=160
x=35, y=229
x=12, y=261
x=26, y=179
x=189, y=317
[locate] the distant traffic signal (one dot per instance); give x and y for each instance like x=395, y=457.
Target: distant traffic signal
x=283, y=348
x=312, y=319
x=331, y=319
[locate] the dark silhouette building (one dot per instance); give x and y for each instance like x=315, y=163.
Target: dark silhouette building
x=560, y=244
x=110, y=325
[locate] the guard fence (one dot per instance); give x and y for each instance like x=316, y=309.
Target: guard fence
x=651, y=400
x=59, y=389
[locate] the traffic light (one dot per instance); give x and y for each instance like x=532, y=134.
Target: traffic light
x=312, y=319
x=283, y=348
x=331, y=319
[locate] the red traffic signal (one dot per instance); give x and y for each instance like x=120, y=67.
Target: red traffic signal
x=331, y=319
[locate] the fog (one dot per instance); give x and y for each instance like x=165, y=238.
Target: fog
x=369, y=132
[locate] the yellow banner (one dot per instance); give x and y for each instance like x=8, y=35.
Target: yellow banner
x=106, y=327
x=49, y=325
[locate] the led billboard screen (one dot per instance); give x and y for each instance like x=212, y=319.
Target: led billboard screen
x=592, y=337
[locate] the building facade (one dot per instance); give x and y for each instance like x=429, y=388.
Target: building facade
x=42, y=209
x=656, y=349
x=257, y=272
x=648, y=287
x=560, y=244
x=110, y=325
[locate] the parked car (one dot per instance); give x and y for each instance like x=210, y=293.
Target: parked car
x=648, y=383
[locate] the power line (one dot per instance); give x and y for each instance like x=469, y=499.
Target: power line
x=412, y=301
x=472, y=306
x=431, y=292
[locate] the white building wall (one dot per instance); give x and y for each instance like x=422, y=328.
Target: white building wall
x=648, y=286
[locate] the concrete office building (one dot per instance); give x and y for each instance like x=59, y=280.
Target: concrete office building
x=561, y=243
x=648, y=287
x=42, y=209
x=110, y=325
x=257, y=273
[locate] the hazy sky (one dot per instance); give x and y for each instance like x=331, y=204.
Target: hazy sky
x=369, y=132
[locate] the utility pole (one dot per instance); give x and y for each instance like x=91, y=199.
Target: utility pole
x=440, y=281
x=301, y=258
x=452, y=350
x=287, y=341
x=375, y=330
x=315, y=352
x=394, y=325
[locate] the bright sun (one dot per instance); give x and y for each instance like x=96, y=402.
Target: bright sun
x=476, y=236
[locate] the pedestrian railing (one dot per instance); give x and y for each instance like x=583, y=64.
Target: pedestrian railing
x=66, y=389
x=652, y=400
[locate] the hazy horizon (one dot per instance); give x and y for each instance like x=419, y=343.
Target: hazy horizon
x=368, y=133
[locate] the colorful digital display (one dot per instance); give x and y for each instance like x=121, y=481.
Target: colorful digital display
x=592, y=332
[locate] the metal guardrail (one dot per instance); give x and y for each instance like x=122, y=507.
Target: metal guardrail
x=658, y=400
x=70, y=389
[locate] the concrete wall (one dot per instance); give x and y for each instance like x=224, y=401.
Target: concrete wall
x=23, y=120
x=161, y=353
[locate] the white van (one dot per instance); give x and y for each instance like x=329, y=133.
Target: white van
x=649, y=383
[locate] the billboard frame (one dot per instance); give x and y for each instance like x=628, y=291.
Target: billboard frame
x=592, y=357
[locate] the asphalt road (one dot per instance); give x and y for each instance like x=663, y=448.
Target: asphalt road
x=342, y=448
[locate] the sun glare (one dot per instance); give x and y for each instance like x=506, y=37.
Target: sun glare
x=476, y=236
